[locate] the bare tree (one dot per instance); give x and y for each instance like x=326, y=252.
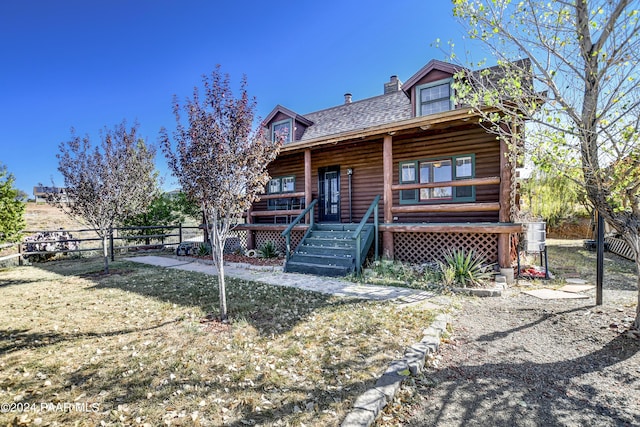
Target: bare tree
x=578, y=90
x=107, y=183
x=219, y=160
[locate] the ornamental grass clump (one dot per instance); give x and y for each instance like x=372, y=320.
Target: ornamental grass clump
x=204, y=250
x=268, y=250
x=464, y=268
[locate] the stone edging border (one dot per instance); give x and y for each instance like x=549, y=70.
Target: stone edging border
x=369, y=404
x=496, y=291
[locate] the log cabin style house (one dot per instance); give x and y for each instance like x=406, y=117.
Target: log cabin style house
x=405, y=175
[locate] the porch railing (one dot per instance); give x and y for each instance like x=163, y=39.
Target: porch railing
x=373, y=209
x=280, y=205
x=287, y=232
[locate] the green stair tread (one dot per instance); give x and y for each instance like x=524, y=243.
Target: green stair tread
x=330, y=250
x=322, y=259
x=318, y=269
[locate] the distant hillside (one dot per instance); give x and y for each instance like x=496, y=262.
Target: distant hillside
x=41, y=216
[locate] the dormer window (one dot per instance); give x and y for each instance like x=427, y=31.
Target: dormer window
x=434, y=97
x=283, y=129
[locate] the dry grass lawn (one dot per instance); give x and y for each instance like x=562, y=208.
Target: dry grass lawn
x=131, y=348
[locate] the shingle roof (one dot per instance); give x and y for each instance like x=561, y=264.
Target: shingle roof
x=358, y=115
x=378, y=110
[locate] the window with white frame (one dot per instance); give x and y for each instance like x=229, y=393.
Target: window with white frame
x=434, y=97
x=282, y=129
x=431, y=171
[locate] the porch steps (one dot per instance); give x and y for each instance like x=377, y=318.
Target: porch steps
x=329, y=250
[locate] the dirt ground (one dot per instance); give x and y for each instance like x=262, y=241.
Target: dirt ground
x=522, y=361
x=578, y=228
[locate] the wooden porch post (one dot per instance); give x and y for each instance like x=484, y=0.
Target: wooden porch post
x=308, y=195
x=251, y=241
x=504, y=239
x=387, y=194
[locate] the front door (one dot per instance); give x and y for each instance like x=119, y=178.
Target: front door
x=329, y=194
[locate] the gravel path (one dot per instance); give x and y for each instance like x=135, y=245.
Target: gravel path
x=521, y=361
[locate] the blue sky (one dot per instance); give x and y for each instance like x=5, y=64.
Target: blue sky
x=91, y=64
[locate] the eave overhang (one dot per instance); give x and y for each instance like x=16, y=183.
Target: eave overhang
x=441, y=120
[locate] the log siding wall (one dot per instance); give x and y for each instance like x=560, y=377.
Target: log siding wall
x=366, y=158
x=465, y=140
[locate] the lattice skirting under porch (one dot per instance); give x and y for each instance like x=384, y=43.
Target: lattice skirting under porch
x=264, y=236
x=236, y=242
x=425, y=247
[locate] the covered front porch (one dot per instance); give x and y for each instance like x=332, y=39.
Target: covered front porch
x=343, y=175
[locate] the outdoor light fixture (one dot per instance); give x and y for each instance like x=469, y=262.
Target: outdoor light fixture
x=349, y=171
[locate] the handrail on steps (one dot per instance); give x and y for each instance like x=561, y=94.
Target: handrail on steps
x=287, y=232
x=373, y=208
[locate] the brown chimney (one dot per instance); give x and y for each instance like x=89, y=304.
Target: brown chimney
x=393, y=85
x=347, y=98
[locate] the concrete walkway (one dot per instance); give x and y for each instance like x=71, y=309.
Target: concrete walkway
x=276, y=277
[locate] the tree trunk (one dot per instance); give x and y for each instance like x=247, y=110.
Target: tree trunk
x=217, y=238
x=223, y=290
x=217, y=253
x=589, y=120
x=105, y=252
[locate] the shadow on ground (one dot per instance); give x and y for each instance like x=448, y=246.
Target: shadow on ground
x=270, y=309
x=571, y=259
x=139, y=370
x=518, y=376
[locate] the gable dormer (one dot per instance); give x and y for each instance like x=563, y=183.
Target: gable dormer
x=288, y=123
x=430, y=89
